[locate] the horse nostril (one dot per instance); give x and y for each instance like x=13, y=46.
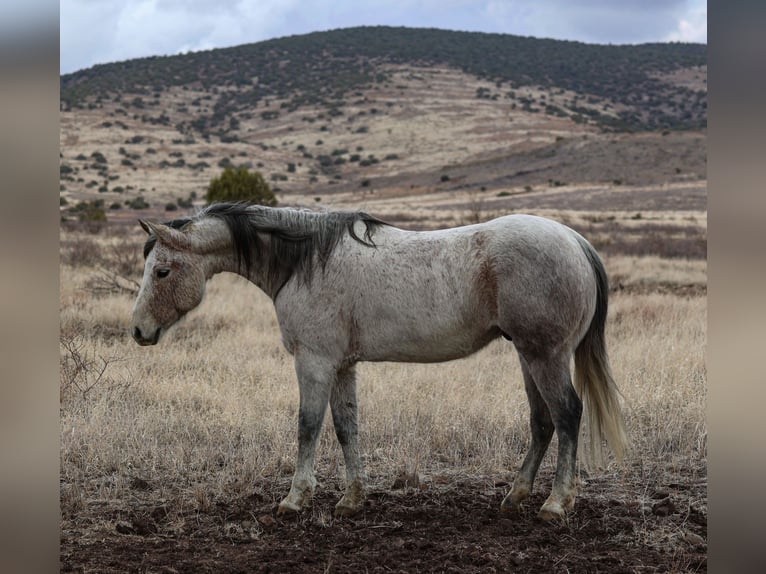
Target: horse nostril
x=137, y=333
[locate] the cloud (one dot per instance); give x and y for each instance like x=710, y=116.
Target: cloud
x=692, y=27
x=113, y=30
x=597, y=21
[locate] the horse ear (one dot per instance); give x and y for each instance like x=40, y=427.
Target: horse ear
x=151, y=228
x=166, y=234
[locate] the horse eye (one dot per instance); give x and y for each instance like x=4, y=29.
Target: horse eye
x=162, y=273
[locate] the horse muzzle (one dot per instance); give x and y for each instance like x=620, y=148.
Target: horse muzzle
x=143, y=340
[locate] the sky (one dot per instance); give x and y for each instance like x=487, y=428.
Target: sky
x=101, y=31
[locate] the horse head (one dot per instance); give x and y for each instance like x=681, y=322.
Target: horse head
x=173, y=283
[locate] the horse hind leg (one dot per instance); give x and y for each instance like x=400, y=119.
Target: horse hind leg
x=541, y=427
x=344, y=415
x=554, y=382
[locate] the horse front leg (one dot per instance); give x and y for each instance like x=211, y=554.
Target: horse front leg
x=315, y=380
x=344, y=415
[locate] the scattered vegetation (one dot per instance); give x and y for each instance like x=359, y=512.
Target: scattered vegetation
x=324, y=68
x=89, y=212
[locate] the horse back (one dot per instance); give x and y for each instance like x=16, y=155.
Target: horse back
x=439, y=295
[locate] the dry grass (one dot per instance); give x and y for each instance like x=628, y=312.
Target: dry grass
x=211, y=412
x=651, y=270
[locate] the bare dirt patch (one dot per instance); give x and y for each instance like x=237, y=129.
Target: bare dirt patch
x=440, y=526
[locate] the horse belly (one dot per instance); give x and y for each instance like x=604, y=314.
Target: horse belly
x=420, y=340
x=420, y=351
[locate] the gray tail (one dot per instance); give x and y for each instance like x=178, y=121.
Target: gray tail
x=593, y=377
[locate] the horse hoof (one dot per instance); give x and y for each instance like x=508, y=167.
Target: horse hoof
x=349, y=505
x=287, y=508
x=512, y=502
x=352, y=500
x=341, y=510
x=550, y=512
x=510, y=506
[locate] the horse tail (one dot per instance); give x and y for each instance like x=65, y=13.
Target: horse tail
x=593, y=377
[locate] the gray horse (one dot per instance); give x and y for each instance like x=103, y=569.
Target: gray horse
x=348, y=287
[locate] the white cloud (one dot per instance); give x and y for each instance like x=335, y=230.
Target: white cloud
x=113, y=30
x=692, y=27
x=597, y=21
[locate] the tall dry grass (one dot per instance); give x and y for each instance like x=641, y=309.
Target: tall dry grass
x=211, y=412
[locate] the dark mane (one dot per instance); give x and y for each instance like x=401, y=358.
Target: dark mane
x=284, y=241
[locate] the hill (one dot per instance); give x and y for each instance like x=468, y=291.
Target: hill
x=325, y=67
x=376, y=108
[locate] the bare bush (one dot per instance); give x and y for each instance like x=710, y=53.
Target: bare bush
x=652, y=239
x=120, y=270
x=125, y=258
x=81, y=251
x=115, y=254
x=475, y=209
x=81, y=370
x=657, y=244
x=108, y=282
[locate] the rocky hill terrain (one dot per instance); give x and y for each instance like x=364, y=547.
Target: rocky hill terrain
x=364, y=115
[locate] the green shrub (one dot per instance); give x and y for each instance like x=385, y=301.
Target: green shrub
x=138, y=203
x=89, y=211
x=240, y=185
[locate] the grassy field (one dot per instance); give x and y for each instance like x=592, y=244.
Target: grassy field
x=210, y=414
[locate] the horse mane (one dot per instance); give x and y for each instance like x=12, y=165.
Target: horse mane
x=284, y=241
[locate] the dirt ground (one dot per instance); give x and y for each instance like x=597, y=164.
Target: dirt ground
x=440, y=525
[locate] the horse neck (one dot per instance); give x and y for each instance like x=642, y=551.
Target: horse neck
x=214, y=242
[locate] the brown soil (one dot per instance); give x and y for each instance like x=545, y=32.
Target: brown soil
x=440, y=526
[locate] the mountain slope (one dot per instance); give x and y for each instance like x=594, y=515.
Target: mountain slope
x=335, y=117
x=324, y=67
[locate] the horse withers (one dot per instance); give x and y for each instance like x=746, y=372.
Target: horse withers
x=348, y=287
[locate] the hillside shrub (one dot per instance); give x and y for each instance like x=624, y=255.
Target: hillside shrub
x=89, y=213
x=240, y=185
x=138, y=203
